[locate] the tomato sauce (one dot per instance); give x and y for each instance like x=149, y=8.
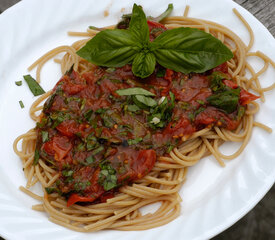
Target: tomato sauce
x=99, y=140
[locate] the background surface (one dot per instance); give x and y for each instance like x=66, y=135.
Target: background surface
x=259, y=223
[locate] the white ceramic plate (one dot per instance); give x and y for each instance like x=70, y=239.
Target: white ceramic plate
x=213, y=197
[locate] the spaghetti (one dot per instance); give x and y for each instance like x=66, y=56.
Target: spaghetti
x=162, y=183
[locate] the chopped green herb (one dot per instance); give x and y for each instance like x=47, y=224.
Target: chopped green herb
x=107, y=177
x=50, y=190
x=34, y=86
x=21, y=104
x=67, y=173
x=133, y=108
x=18, y=83
x=134, y=91
x=45, y=136
x=110, y=70
x=200, y=102
x=36, y=157
x=226, y=100
x=90, y=159
x=98, y=150
x=134, y=141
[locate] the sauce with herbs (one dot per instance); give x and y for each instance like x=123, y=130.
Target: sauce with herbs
x=100, y=136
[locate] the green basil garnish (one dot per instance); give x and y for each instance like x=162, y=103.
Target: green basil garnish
x=226, y=100
x=34, y=86
x=134, y=91
x=181, y=49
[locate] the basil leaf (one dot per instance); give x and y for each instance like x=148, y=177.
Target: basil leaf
x=142, y=101
x=134, y=91
x=34, y=86
x=107, y=177
x=163, y=15
x=111, y=48
x=138, y=25
x=189, y=50
x=45, y=136
x=144, y=64
x=227, y=100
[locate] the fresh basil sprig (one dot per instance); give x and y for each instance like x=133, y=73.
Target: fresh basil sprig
x=182, y=49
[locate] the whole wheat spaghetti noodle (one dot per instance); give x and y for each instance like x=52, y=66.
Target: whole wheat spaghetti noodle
x=161, y=185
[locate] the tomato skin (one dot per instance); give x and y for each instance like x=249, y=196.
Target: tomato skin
x=144, y=163
x=58, y=147
x=153, y=25
x=221, y=68
x=181, y=128
x=74, y=198
x=68, y=128
x=246, y=97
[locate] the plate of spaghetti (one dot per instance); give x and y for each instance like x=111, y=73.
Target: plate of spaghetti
x=153, y=118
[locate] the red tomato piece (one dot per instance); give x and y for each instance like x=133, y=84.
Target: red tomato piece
x=59, y=147
x=221, y=68
x=246, y=97
x=68, y=128
x=74, y=198
x=153, y=25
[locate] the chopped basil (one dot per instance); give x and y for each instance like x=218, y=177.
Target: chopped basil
x=90, y=159
x=45, y=136
x=21, y=104
x=226, y=100
x=67, y=173
x=36, y=157
x=34, y=86
x=107, y=176
x=134, y=141
x=110, y=70
x=134, y=91
x=50, y=190
x=200, y=102
x=97, y=150
x=18, y=83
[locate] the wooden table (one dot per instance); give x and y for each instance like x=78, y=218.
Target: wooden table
x=259, y=223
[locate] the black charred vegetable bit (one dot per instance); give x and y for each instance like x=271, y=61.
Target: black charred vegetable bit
x=34, y=86
x=180, y=49
x=107, y=176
